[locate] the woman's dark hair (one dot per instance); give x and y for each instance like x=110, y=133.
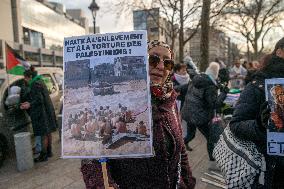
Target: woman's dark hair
x=279, y=45
x=265, y=61
x=250, y=65
x=28, y=73
x=217, y=60
x=178, y=67
x=224, y=75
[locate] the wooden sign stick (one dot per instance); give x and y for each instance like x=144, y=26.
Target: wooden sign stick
x=104, y=169
x=217, y=174
x=213, y=183
x=216, y=177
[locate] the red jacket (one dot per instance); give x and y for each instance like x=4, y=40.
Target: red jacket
x=158, y=172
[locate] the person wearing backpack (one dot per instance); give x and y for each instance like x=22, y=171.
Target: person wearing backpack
x=250, y=118
x=200, y=103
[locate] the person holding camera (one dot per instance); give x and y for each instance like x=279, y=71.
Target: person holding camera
x=237, y=75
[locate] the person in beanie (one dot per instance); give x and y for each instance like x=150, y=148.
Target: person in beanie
x=201, y=101
x=250, y=118
x=41, y=111
x=169, y=168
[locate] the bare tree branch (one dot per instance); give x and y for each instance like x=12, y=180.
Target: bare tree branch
x=253, y=19
x=262, y=40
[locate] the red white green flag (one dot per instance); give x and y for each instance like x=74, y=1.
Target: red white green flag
x=15, y=64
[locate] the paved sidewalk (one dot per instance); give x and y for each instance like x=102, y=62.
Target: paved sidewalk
x=57, y=173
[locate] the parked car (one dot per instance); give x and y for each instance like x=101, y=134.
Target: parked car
x=53, y=79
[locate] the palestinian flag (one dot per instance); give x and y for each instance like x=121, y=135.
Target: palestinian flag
x=15, y=64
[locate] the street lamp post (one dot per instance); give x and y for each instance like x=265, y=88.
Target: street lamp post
x=94, y=8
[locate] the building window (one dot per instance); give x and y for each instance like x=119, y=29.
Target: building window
x=140, y=20
x=29, y=56
x=33, y=38
x=154, y=30
x=47, y=58
x=26, y=36
x=59, y=59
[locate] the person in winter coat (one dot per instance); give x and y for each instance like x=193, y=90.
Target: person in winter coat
x=252, y=68
x=42, y=113
x=161, y=171
x=180, y=80
x=18, y=120
x=201, y=101
x=251, y=115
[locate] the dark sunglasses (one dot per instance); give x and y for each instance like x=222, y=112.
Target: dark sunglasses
x=154, y=60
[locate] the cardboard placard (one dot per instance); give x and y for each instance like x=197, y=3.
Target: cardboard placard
x=107, y=104
x=274, y=89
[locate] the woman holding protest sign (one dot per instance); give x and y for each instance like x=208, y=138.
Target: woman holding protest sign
x=251, y=115
x=169, y=168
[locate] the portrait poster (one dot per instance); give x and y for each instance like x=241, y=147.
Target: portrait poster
x=107, y=103
x=274, y=89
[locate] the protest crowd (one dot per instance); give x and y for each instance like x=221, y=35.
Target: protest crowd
x=203, y=101
x=221, y=103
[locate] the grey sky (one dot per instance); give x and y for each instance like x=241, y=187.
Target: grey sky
x=106, y=19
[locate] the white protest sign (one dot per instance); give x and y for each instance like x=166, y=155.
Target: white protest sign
x=107, y=105
x=274, y=89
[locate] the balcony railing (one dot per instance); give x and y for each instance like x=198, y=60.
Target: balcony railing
x=35, y=56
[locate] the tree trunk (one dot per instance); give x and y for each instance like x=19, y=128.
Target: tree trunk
x=204, y=40
x=229, y=52
x=248, y=50
x=181, y=34
x=255, y=49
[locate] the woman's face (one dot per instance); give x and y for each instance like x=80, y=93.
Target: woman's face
x=280, y=99
x=280, y=53
x=158, y=73
x=237, y=63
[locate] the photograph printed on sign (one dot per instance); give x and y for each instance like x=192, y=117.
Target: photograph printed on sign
x=275, y=96
x=107, y=109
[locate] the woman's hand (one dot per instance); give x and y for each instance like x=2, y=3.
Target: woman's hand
x=25, y=106
x=264, y=115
